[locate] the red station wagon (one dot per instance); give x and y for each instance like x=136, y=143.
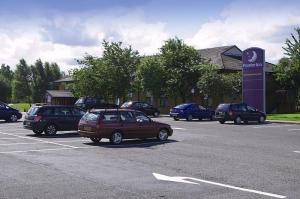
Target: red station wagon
x=118, y=124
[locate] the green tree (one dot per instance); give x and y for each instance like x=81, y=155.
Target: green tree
x=119, y=63
x=5, y=89
x=20, y=85
x=182, y=64
x=151, y=76
x=287, y=71
x=6, y=77
x=39, y=82
x=215, y=85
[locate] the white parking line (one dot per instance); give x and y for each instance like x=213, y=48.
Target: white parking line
x=294, y=130
x=28, y=143
x=178, y=128
x=297, y=151
x=274, y=126
x=38, y=140
x=9, y=138
x=41, y=150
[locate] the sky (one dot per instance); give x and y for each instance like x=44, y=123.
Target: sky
x=62, y=31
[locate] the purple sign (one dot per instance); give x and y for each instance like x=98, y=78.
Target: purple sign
x=254, y=78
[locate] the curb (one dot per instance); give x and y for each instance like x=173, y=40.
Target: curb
x=283, y=122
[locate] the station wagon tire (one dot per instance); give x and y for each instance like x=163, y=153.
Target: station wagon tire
x=116, y=137
x=189, y=118
x=38, y=132
x=50, y=129
x=200, y=118
x=95, y=140
x=176, y=118
x=238, y=120
x=156, y=114
x=162, y=135
x=246, y=122
x=13, y=118
x=222, y=121
x=261, y=119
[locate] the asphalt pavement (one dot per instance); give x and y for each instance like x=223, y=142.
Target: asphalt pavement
x=203, y=159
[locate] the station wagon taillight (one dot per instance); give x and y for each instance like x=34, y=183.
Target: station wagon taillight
x=37, y=118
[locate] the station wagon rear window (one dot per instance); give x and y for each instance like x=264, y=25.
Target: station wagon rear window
x=91, y=117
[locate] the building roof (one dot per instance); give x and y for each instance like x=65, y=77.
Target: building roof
x=60, y=93
x=65, y=79
x=227, y=57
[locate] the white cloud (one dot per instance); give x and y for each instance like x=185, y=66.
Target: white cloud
x=264, y=25
x=64, y=38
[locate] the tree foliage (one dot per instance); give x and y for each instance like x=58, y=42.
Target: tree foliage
x=151, y=76
x=6, y=76
x=111, y=75
x=182, y=64
x=20, y=85
x=213, y=84
x=288, y=69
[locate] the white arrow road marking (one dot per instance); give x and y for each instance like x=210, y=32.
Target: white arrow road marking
x=185, y=180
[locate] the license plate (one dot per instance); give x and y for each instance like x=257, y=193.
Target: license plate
x=87, y=128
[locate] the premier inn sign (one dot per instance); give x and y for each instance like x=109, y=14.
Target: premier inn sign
x=254, y=86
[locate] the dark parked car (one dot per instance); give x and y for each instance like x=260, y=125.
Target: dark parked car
x=119, y=124
x=141, y=106
x=8, y=113
x=238, y=113
x=189, y=111
x=88, y=103
x=51, y=119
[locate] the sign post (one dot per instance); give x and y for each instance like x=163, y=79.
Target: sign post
x=254, y=83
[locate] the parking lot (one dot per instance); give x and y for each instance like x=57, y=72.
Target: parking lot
x=202, y=159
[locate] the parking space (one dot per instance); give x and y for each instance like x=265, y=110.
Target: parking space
x=203, y=159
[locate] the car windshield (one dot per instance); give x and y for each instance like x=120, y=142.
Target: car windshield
x=126, y=104
x=223, y=107
x=182, y=106
x=33, y=110
x=92, y=116
x=80, y=101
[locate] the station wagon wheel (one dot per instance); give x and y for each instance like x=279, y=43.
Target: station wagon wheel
x=96, y=140
x=261, y=119
x=176, y=118
x=162, y=135
x=156, y=114
x=13, y=118
x=50, y=129
x=237, y=120
x=116, y=137
x=38, y=132
x=189, y=118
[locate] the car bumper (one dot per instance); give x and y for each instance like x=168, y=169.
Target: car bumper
x=89, y=134
x=31, y=125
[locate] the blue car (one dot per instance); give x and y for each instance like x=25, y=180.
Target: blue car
x=190, y=111
x=9, y=114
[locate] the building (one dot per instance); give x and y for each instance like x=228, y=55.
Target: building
x=61, y=95
x=228, y=59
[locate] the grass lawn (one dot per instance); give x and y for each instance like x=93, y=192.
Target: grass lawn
x=23, y=107
x=285, y=117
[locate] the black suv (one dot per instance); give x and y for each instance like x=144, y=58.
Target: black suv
x=141, y=106
x=238, y=113
x=50, y=119
x=88, y=103
x=8, y=113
